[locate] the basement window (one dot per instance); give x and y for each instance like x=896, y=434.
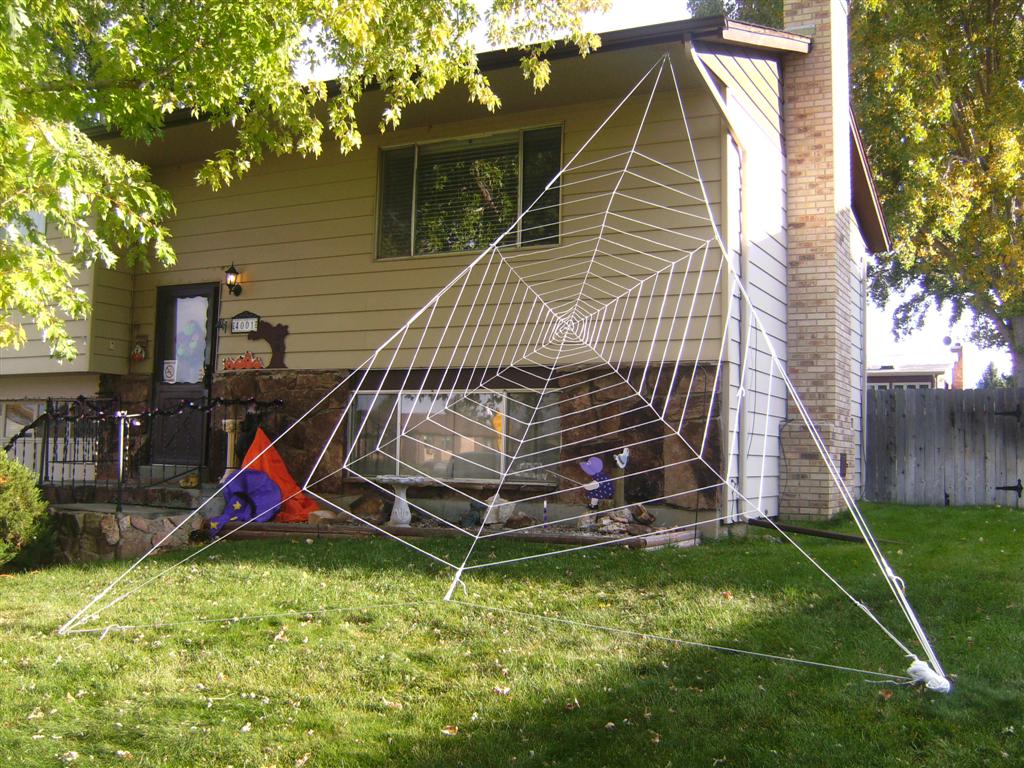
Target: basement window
x=477, y=436
x=459, y=196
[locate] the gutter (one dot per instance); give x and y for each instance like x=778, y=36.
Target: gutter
x=707, y=28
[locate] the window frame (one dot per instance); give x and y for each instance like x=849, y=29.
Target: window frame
x=38, y=407
x=400, y=468
x=520, y=203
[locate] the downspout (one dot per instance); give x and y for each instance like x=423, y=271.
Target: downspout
x=742, y=418
x=746, y=321
x=732, y=515
x=863, y=373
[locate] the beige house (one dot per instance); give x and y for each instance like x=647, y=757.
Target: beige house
x=334, y=254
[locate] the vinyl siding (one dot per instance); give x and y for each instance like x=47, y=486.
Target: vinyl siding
x=34, y=356
x=748, y=84
x=110, y=330
x=302, y=233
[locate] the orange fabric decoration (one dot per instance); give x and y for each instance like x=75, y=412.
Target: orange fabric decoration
x=298, y=507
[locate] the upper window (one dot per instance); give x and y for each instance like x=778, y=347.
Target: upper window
x=452, y=196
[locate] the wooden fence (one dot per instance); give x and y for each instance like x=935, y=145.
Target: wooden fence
x=940, y=446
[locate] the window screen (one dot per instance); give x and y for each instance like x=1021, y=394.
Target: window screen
x=454, y=196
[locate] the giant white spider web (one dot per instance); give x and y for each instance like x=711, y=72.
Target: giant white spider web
x=614, y=334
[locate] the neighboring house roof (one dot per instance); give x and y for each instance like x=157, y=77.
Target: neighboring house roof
x=929, y=369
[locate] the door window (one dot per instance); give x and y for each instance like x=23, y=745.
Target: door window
x=190, y=339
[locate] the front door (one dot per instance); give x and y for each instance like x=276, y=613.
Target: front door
x=185, y=345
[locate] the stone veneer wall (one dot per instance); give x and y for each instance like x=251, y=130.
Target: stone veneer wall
x=582, y=400
x=299, y=390
x=133, y=392
x=300, y=447
x=85, y=535
x=819, y=197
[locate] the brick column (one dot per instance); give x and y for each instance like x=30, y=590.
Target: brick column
x=819, y=198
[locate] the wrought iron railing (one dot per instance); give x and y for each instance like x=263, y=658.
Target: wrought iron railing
x=97, y=450
x=78, y=446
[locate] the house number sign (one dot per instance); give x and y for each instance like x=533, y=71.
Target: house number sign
x=245, y=322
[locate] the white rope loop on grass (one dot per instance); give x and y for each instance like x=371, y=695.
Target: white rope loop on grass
x=920, y=672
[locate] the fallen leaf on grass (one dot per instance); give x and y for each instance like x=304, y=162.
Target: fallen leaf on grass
x=885, y=693
x=301, y=761
x=571, y=705
x=449, y=730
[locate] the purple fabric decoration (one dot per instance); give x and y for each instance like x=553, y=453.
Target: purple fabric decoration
x=595, y=468
x=248, y=495
x=604, y=490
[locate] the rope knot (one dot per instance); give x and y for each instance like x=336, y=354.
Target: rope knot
x=920, y=672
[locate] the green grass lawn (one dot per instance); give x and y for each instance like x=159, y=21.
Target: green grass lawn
x=392, y=676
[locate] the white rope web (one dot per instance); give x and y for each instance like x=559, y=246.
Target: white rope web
x=615, y=335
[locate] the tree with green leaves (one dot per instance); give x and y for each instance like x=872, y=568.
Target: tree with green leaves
x=938, y=88
x=767, y=13
x=991, y=378
x=71, y=70
x=939, y=91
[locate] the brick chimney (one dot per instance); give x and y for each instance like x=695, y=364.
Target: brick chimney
x=816, y=93
x=958, y=366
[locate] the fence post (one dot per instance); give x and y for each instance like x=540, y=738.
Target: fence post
x=45, y=457
x=120, y=458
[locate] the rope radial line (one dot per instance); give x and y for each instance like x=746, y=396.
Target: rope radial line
x=877, y=676
x=851, y=503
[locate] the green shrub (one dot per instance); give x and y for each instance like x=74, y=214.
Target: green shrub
x=23, y=515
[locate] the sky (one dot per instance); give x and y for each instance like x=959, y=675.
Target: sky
x=926, y=345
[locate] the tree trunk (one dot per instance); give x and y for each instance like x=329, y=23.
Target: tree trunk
x=1017, y=349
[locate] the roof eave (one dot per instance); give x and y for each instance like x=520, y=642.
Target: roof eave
x=707, y=28
x=765, y=38
x=867, y=206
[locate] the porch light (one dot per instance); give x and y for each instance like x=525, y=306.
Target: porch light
x=231, y=280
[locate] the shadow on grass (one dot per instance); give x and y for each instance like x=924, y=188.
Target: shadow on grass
x=668, y=705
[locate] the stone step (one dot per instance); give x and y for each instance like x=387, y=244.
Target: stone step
x=154, y=474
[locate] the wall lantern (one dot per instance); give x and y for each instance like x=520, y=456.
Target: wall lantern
x=231, y=280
